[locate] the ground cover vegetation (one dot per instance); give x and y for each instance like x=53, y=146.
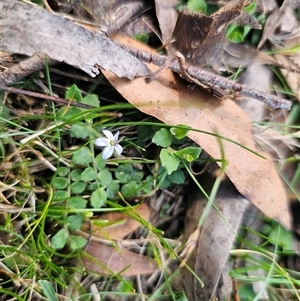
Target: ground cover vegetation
x=101, y=178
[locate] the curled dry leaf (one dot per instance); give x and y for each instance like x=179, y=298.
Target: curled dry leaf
x=122, y=223
x=169, y=100
x=106, y=260
x=28, y=29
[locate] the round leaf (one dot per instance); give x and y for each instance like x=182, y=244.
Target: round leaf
x=74, y=221
x=105, y=177
x=189, y=153
x=80, y=130
x=76, y=242
x=89, y=174
x=124, y=173
x=78, y=187
x=60, y=183
x=62, y=171
x=180, y=133
x=83, y=156
x=163, y=138
x=77, y=202
x=130, y=189
x=112, y=189
x=169, y=160
x=59, y=240
x=76, y=175
x=99, y=198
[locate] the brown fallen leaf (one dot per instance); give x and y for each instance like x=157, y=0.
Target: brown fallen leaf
x=216, y=237
x=293, y=79
x=273, y=21
x=28, y=29
x=122, y=223
x=169, y=100
x=201, y=38
x=106, y=260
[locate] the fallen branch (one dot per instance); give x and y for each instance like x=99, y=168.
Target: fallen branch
x=210, y=79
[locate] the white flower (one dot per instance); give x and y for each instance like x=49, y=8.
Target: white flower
x=110, y=144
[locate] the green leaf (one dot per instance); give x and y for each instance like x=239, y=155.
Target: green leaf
x=130, y=189
x=67, y=113
x=105, y=177
x=74, y=94
x=125, y=286
x=144, y=132
x=78, y=187
x=4, y=110
x=177, y=177
x=124, y=173
x=77, y=202
x=62, y=171
x=91, y=100
x=236, y=36
x=197, y=5
x=169, y=160
x=80, y=130
x=148, y=184
x=282, y=237
x=92, y=186
x=189, y=153
x=60, y=195
x=137, y=174
x=180, y=133
x=142, y=37
x=100, y=162
x=60, y=183
x=89, y=174
x=74, y=221
x=163, y=138
x=82, y=156
x=76, y=174
x=250, y=9
x=112, y=189
x=76, y=242
x=99, y=198
x=59, y=240
x=48, y=290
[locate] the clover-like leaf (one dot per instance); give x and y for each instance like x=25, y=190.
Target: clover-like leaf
x=169, y=160
x=163, y=138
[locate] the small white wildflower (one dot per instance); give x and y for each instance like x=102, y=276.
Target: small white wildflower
x=110, y=144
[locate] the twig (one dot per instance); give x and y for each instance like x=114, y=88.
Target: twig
x=210, y=79
x=24, y=68
x=48, y=97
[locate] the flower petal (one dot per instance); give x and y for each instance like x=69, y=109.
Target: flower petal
x=102, y=142
x=107, y=152
x=108, y=134
x=116, y=136
x=118, y=149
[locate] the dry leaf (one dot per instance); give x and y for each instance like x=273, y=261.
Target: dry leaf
x=240, y=55
x=167, y=16
x=109, y=15
x=216, y=237
x=258, y=77
x=273, y=21
x=293, y=79
x=169, y=100
x=28, y=29
x=201, y=38
x=122, y=223
x=106, y=260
